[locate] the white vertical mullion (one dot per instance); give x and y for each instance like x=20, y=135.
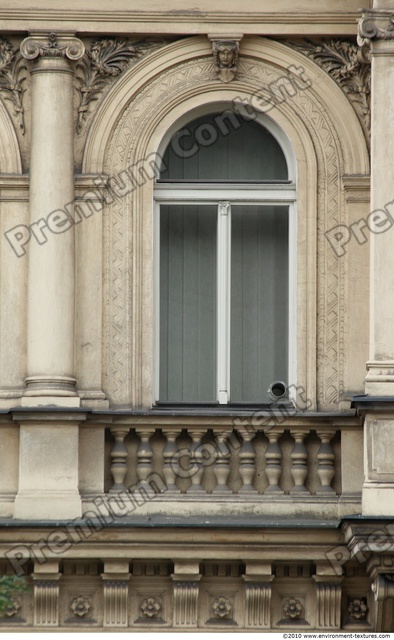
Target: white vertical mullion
x=223, y=302
x=292, y=314
x=156, y=294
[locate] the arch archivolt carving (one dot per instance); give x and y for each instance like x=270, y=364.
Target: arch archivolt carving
x=319, y=122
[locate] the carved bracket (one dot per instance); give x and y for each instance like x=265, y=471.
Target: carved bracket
x=12, y=76
x=350, y=69
x=106, y=60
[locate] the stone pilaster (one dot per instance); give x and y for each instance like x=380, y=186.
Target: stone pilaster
x=376, y=31
x=186, y=578
x=50, y=340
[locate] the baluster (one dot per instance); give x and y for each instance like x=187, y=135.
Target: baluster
x=326, y=457
x=119, y=454
x=144, y=454
x=299, y=456
x=170, y=459
x=222, y=464
x=196, y=460
x=247, y=460
x=273, y=457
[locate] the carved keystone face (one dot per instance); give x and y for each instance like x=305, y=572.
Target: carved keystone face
x=226, y=56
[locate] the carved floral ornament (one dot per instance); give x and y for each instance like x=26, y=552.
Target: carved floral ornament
x=14, y=608
x=358, y=608
x=349, y=66
x=13, y=71
x=221, y=606
x=80, y=606
x=104, y=61
x=150, y=607
x=292, y=608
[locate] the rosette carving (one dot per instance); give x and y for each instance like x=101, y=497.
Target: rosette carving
x=150, y=607
x=14, y=607
x=292, y=608
x=221, y=607
x=358, y=608
x=80, y=606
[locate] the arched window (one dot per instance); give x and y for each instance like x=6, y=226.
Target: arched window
x=224, y=217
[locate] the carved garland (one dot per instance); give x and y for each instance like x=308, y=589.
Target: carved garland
x=346, y=64
x=13, y=72
x=121, y=224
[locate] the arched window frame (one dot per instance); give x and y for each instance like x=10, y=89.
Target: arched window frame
x=265, y=193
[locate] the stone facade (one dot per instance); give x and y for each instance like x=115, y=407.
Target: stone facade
x=126, y=514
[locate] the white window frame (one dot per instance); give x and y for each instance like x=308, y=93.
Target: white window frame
x=223, y=196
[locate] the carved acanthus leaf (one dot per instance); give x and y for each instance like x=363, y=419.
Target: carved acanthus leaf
x=12, y=68
x=106, y=59
x=343, y=61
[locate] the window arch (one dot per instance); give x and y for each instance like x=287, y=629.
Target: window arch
x=224, y=244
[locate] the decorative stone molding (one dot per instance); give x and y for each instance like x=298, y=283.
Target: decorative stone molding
x=350, y=69
x=52, y=46
x=12, y=76
x=357, y=609
x=80, y=606
x=292, y=608
x=105, y=61
x=225, y=55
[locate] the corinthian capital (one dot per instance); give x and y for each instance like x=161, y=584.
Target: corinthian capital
x=51, y=45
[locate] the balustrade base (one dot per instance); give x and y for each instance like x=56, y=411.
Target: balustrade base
x=178, y=505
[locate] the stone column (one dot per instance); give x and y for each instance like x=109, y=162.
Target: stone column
x=50, y=341
x=376, y=31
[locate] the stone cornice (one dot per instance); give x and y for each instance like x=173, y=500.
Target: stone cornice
x=97, y=21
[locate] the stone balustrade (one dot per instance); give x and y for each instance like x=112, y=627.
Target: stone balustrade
x=237, y=463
